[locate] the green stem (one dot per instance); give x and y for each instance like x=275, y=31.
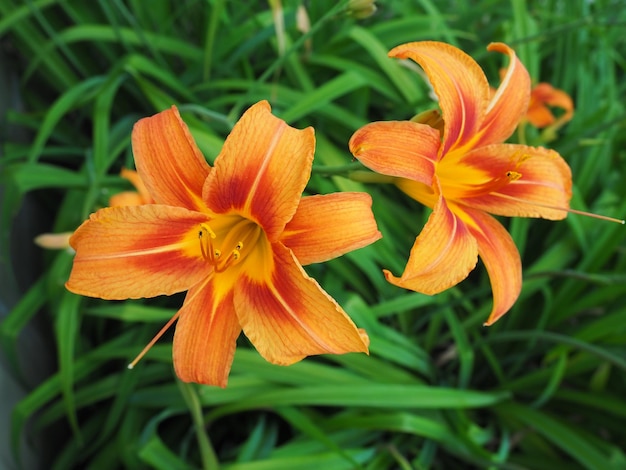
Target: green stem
x=339, y=170
x=371, y=177
x=521, y=133
x=209, y=459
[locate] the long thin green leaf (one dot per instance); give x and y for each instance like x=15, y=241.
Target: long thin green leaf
x=560, y=434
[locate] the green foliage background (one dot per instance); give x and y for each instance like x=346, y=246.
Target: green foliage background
x=544, y=388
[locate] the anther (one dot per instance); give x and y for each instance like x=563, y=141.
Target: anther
x=513, y=175
x=232, y=259
x=214, y=255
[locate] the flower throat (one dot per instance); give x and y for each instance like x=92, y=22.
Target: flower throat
x=237, y=239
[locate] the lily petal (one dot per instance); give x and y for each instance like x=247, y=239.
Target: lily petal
x=137, y=251
x=311, y=237
x=444, y=253
x=262, y=170
x=398, y=148
x=458, y=82
x=168, y=160
x=499, y=253
x=291, y=317
x=206, y=336
x=510, y=102
x=543, y=186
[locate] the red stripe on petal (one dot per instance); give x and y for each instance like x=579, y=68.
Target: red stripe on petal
x=544, y=183
x=290, y=316
x=262, y=170
x=458, y=82
x=501, y=257
x=206, y=336
x=168, y=160
x=313, y=240
x=443, y=255
x=137, y=251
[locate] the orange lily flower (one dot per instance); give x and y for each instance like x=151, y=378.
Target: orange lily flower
x=235, y=237
x=543, y=97
x=463, y=171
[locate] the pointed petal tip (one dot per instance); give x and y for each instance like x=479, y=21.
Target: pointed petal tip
x=443, y=254
x=496, y=315
x=425, y=288
x=490, y=321
x=262, y=104
x=501, y=258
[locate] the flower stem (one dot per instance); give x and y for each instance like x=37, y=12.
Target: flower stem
x=209, y=459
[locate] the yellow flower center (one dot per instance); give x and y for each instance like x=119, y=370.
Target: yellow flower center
x=457, y=182
x=460, y=182
x=227, y=241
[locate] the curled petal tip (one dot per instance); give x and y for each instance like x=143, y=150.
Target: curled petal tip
x=499, y=46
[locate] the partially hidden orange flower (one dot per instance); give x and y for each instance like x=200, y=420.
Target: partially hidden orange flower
x=463, y=171
x=235, y=237
x=60, y=241
x=131, y=198
x=543, y=97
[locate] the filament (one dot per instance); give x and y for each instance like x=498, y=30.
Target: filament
x=572, y=211
x=154, y=340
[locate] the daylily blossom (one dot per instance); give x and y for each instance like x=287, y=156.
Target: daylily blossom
x=543, y=97
x=131, y=198
x=461, y=168
x=235, y=237
x=61, y=241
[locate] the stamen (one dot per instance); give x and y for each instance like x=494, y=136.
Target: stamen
x=154, y=340
x=572, y=211
x=205, y=235
x=214, y=255
x=234, y=256
x=513, y=176
x=598, y=216
x=231, y=237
